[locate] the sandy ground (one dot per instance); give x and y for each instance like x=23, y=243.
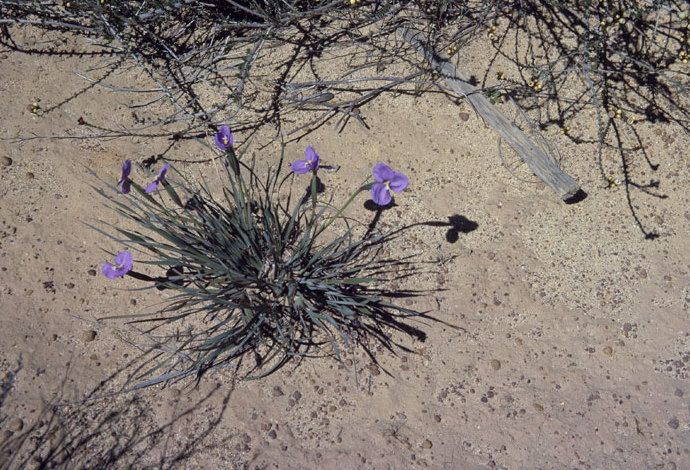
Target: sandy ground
x=573, y=349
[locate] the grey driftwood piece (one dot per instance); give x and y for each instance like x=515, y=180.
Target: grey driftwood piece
x=541, y=164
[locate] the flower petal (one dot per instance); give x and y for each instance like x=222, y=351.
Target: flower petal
x=399, y=182
x=125, y=260
x=382, y=172
x=380, y=194
x=162, y=172
x=153, y=185
x=109, y=271
x=125, y=185
x=223, y=138
x=126, y=169
x=300, y=167
x=311, y=155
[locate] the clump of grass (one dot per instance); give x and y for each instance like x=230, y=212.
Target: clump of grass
x=256, y=282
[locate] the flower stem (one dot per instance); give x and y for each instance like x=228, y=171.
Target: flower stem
x=362, y=188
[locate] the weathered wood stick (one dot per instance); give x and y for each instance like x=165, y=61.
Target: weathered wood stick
x=545, y=167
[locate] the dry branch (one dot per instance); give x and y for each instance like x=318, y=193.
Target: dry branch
x=545, y=167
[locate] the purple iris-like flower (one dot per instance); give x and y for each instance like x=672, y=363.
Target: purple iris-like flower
x=125, y=183
x=310, y=162
x=123, y=265
x=223, y=138
x=153, y=185
x=387, y=181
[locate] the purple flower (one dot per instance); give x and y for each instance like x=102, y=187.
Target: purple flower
x=123, y=265
x=223, y=138
x=125, y=183
x=153, y=185
x=310, y=162
x=387, y=180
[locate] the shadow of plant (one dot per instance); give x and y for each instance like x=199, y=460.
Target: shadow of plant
x=115, y=430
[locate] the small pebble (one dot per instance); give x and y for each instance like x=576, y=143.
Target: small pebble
x=6, y=161
x=15, y=425
x=495, y=364
x=538, y=407
x=608, y=350
x=92, y=272
x=674, y=423
x=427, y=444
x=88, y=335
x=277, y=392
x=30, y=175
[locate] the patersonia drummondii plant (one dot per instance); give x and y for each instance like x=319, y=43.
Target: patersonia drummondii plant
x=254, y=281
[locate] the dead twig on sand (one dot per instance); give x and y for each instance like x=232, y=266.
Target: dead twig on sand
x=542, y=164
